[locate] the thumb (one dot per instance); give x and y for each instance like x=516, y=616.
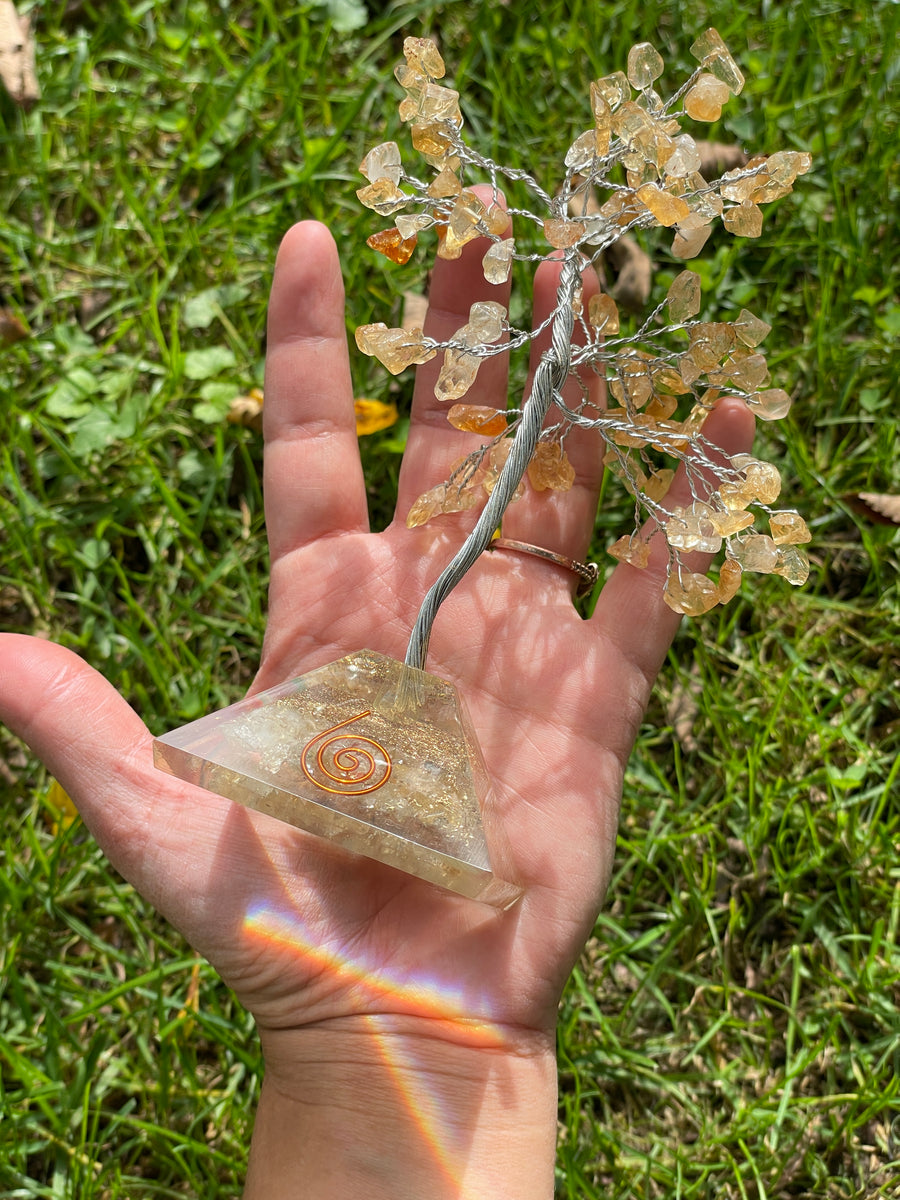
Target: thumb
x=83, y=731
x=172, y=840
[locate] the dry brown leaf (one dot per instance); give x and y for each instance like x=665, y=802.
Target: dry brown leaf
x=11, y=328
x=633, y=269
x=415, y=309
x=682, y=709
x=718, y=157
x=881, y=507
x=17, y=57
x=631, y=266
x=91, y=304
x=581, y=205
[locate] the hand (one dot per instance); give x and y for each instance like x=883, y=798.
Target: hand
x=330, y=950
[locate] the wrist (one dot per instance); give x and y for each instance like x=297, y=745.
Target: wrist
x=375, y=1107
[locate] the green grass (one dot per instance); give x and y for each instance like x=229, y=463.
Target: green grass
x=732, y=1029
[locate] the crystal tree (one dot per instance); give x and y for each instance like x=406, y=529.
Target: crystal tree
x=661, y=382
x=381, y=757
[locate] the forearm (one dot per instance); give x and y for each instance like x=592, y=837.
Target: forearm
x=393, y=1118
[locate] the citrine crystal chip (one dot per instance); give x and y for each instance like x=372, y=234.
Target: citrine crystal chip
x=645, y=65
x=684, y=296
x=478, y=418
x=373, y=755
x=550, y=468
x=771, y=404
x=705, y=99
x=631, y=549
x=712, y=52
x=561, y=233
x=729, y=580
x=395, y=349
x=793, y=565
x=497, y=262
x=426, y=506
x=788, y=528
x=457, y=374
x=603, y=313
x=745, y=220
x=393, y=245
x=750, y=329
x=423, y=55
x=691, y=236
x=382, y=162
x=614, y=89
x=755, y=552
x=383, y=196
x=690, y=593
x=667, y=209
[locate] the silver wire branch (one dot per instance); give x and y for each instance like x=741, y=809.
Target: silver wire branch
x=551, y=373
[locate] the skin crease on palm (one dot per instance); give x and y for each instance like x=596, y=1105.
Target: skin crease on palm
x=556, y=700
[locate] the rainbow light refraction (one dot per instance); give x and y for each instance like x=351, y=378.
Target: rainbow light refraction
x=379, y=991
x=391, y=1001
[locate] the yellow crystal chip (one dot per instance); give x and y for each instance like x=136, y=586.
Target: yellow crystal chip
x=645, y=65
x=711, y=51
x=497, y=262
x=603, y=313
x=395, y=349
x=422, y=55
x=690, y=593
x=550, y=468
x=478, y=418
x=667, y=209
x=382, y=162
x=684, y=296
x=705, y=99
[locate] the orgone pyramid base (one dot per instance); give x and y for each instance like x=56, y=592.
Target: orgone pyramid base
x=367, y=752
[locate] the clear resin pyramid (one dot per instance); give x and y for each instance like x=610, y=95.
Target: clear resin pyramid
x=367, y=752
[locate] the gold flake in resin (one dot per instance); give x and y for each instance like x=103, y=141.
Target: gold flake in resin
x=373, y=755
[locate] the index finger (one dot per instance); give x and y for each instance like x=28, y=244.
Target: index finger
x=313, y=478
x=433, y=444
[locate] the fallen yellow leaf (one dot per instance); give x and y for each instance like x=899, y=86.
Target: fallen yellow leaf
x=247, y=410
x=191, y=1000
x=372, y=415
x=61, y=806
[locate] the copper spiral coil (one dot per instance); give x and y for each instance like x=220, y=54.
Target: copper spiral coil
x=353, y=769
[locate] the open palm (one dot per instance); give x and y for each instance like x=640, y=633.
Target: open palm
x=305, y=932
